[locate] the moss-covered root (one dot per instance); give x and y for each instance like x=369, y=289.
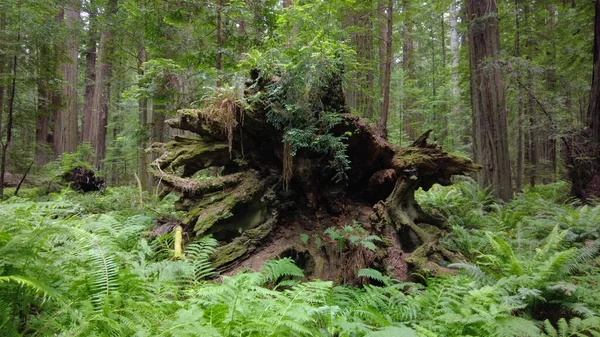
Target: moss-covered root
x=243, y=245
x=403, y=212
x=213, y=208
x=430, y=256
x=193, y=154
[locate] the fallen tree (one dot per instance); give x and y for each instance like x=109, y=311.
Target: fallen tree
x=321, y=188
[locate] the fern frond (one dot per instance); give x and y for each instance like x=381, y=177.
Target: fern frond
x=374, y=274
x=272, y=270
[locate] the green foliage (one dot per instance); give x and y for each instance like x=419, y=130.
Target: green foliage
x=298, y=101
x=72, y=266
x=67, y=161
x=352, y=236
x=575, y=327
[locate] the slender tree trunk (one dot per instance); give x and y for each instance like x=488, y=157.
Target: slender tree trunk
x=407, y=65
x=218, y=64
x=531, y=169
x=9, y=122
x=454, y=55
x=531, y=153
x=549, y=132
x=2, y=66
x=382, y=122
x=382, y=23
x=490, y=134
x=519, y=119
x=65, y=126
x=42, y=120
x=594, y=107
x=90, y=79
x=443, y=38
x=142, y=170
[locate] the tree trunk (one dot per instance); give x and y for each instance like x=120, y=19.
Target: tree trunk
x=219, y=61
x=65, y=125
x=409, y=118
x=594, y=107
x=387, y=74
x=102, y=86
x=42, y=120
x=11, y=105
x=519, y=119
x=364, y=86
x=2, y=69
x=90, y=78
x=531, y=153
x=454, y=54
x=490, y=134
x=382, y=24
x=142, y=169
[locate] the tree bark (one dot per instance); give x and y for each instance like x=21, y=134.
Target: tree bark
x=2, y=66
x=219, y=59
x=387, y=74
x=519, y=119
x=11, y=105
x=65, y=126
x=454, y=55
x=364, y=87
x=102, y=87
x=490, y=134
x=594, y=107
x=90, y=78
x=409, y=118
x=142, y=169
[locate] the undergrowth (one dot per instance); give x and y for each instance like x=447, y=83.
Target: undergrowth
x=83, y=265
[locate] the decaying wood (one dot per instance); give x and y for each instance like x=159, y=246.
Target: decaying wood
x=247, y=208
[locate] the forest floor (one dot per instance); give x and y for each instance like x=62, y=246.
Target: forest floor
x=89, y=265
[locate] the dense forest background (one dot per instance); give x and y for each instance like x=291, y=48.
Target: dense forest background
x=104, y=75
x=340, y=168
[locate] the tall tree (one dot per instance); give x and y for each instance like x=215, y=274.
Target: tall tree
x=454, y=58
x=102, y=86
x=65, y=124
x=490, y=134
x=409, y=117
x=90, y=74
x=11, y=102
x=387, y=73
x=594, y=107
x=519, y=143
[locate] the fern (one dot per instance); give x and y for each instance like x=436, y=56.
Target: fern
x=374, y=275
x=273, y=270
x=575, y=327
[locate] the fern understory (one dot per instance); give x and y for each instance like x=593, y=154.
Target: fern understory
x=84, y=265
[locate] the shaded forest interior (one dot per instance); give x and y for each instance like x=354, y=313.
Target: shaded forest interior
x=299, y=168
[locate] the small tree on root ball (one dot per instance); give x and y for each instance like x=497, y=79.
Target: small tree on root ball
x=283, y=177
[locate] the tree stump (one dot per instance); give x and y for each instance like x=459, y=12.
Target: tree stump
x=238, y=182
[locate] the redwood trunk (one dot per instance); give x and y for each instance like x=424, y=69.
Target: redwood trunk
x=65, y=126
x=102, y=89
x=90, y=80
x=490, y=134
